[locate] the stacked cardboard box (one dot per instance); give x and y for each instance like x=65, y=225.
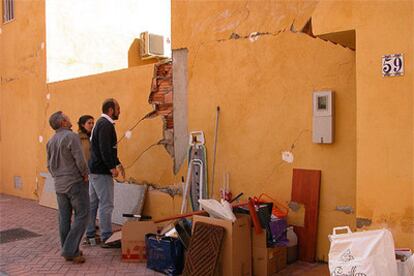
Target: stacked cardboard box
x=235, y=257
x=267, y=260
x=133, y=240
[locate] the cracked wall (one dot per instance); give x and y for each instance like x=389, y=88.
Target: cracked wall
x=248, y=58
x=385, y=134
x=161, y=98
x=131, y=87
x=27, y=102
x=262, y=84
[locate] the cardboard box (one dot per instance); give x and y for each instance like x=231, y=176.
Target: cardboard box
x=269, y=261
x=259, y=240
x=235, y=256
x=133, y=240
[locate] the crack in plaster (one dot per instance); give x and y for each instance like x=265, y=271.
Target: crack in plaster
x=7, y=80
x=253, y=36
x=233, y=36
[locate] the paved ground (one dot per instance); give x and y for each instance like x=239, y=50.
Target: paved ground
x=41, y=255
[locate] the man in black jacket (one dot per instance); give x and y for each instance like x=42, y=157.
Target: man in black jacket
x=103, y=166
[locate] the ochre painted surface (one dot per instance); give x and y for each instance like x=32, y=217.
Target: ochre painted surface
x=25, y=108
x=264, y=88
x=161, y=205
x=22, y=69
x=385, y=109
x=131, y=88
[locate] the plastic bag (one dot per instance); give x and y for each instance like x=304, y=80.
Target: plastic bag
x=362, y=253
x=406, y=268
x=164, y=254
x=216, y=209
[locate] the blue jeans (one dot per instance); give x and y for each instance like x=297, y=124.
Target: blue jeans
x=77, y=200
x=101, y=194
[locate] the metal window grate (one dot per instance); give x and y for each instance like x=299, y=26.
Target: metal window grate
x=8, y=10
x=16, y=234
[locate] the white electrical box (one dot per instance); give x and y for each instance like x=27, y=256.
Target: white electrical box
x=323, y=117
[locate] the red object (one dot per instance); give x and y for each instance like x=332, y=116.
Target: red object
x=305, y=190
x=253, y=215
x=228, y=196
x=141, y=256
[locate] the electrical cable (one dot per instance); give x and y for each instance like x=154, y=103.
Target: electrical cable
x=150, y=115
x=161, y=142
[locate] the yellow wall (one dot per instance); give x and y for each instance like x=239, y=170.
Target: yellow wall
x=131, y=88
x=385, y=115
x=264, y=89
x=22, y=67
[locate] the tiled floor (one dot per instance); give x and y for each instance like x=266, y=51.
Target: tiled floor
x=41, y=255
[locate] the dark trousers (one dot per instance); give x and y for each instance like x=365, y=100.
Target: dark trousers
x=77, y=200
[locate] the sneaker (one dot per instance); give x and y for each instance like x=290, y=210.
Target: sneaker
x=114, y=244
x=91, y=241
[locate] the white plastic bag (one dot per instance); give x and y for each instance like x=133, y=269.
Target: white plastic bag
x=406, y=268
x=216, y=209
x=362, y=253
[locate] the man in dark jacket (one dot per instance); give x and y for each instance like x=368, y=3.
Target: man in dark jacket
x=67, y=166
x=103, y=166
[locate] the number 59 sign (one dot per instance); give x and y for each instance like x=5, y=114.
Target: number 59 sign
x=392, y=65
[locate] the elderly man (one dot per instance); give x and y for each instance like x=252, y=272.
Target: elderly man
x=103, y=165
x=67, y=165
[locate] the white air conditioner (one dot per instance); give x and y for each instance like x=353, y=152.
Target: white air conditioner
x=152, y=45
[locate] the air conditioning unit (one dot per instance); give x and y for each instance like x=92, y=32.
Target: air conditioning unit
x=152, y=45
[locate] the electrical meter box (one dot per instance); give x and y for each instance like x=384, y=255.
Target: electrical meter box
x=323, y=117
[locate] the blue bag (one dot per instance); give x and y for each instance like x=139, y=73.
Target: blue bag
x=164, y=254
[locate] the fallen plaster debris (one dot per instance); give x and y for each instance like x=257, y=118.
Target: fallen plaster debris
x=287, y=156
x=361, y=222
x=346, y=209
x=171, y=190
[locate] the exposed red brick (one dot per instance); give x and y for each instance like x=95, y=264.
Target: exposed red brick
x=161, y=97
x=168, y=98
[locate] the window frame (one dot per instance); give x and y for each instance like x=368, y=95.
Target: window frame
x=8, y=11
